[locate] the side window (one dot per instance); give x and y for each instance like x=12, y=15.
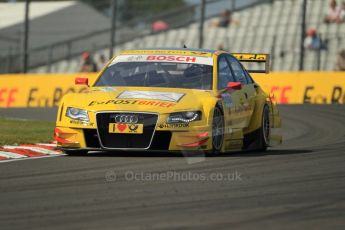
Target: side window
x=238, y=71
x=224, y=73
x=249, y=78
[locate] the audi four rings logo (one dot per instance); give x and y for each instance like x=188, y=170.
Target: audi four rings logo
x=125, y=118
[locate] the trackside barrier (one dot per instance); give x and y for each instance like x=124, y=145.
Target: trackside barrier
x=304, y=87
x=46, y=90
x=37, y=90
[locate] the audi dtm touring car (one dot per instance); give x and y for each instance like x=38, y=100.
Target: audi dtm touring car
x=170, y=100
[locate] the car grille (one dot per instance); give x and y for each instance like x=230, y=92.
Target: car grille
x=122, y=140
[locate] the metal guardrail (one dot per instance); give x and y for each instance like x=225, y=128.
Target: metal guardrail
x=97, y=40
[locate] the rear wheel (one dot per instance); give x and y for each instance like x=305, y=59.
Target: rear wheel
x=217, y=130
x=265, y=130
x=75, y=152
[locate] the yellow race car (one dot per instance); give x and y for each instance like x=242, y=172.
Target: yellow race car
x=170, y=100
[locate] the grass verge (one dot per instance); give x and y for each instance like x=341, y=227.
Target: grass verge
x=17, y=131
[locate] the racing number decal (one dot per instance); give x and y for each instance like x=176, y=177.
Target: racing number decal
x=227, y=100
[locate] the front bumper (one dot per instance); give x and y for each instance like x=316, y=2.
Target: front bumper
x=193, y=138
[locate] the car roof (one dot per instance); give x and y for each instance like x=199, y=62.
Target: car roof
x=183, y=49
x=188, y=51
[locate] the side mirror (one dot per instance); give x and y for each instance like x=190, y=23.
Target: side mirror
x=81, y=81
x=234, y=85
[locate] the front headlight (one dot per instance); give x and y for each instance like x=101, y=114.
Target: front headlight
x=77, y=114
x=184, y=117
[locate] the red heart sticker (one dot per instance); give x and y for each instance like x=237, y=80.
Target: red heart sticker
x=121, y=127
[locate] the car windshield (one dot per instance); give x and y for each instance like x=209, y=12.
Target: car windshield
x=157, y=74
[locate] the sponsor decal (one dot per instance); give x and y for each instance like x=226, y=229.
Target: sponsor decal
x=8, y=96
x=105, y=89
x=78, y=122
x=242, y=108
x=133, y=102
x=227, y=100
x=36, y=100
x=177, y=125
x=171, y=58
x=167, y=52
x=126, y=128
x=337, y=96
x=283, y=94
x=250, y=57
x=163, y=96
x=136, y=58
x=164, y=58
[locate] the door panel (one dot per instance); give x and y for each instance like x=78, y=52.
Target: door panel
x=250, y=93
x=233, y=100
x=248, y=90
x=234, y=108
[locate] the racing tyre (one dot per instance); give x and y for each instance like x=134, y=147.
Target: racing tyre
x=265, y=130
x=217, y=130
x=75, y=152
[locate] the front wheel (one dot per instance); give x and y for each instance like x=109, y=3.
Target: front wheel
x=217, y=130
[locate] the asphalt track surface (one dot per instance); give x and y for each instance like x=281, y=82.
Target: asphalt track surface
x=45, y=114
x=299, y=185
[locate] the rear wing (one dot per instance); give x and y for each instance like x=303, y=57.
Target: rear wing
x=254, y=58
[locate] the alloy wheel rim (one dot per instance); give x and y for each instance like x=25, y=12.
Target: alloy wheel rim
x=218, y=130
x=266, y=127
